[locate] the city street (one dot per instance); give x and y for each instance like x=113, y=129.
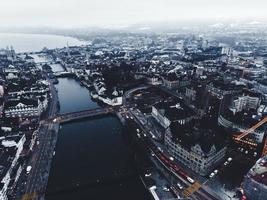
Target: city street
x=42, y=153
x=163, y=159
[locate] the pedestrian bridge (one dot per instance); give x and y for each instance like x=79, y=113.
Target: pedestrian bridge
x=67, y=117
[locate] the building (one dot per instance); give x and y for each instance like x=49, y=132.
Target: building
x=1, y=91
x=241, y=113
x=196, y=146
x=29, y=59
x=255, y=182
x=171, y=81
x=10, y=151
x=199, y=71
x=227, y=51
x=195, y=94
x=24, y=108
x=247, y=101
x=11, y=72
x=172, y=110
x=220, y=88
x=153, y=80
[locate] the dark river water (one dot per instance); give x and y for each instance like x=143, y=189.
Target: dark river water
x=92, y=159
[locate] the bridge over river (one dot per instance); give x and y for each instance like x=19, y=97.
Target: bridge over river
x=67, y=117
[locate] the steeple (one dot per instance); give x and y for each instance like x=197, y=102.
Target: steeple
x=68, y=49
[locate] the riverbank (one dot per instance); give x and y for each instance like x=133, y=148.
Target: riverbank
x=92, y=161
x=73, y=97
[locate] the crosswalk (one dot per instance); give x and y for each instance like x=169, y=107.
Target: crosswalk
x=30, y=196
x=191, y=189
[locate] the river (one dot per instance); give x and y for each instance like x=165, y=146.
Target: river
x=92, y=160
x=91, y=155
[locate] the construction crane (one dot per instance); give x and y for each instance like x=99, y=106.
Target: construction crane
x=250, y=130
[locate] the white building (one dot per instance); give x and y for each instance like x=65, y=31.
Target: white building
x=171, y=111
x=227, y=51
x=245, y=103
x=1, y=91
x=24, y=108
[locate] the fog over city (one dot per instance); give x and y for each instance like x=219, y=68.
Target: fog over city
x=122, y=13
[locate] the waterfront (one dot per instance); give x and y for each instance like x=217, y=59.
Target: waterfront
x=92, y=160
x=35, y=42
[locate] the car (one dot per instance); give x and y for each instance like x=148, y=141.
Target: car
x=180, y=186
x=246, y=152
x=160, y=149
x=190, y=180
x=225, y=163
x=152, y=154
x=148, y=175
x=211, y=175
x=229, y=159
x=216, y=171
x=166, y=189
x=255, y=154
x=171, y=158
x=28, y=169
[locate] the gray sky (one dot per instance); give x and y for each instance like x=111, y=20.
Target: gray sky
x=123, y=12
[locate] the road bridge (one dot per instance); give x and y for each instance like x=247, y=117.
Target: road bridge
x=63, y=74
x=67, y=117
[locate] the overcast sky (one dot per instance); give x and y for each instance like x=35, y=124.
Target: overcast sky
x=123, y=12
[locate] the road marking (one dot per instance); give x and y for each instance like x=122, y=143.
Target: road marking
x=191, y=189
x=29, y=196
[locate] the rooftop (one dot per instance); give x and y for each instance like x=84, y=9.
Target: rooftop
x=174, y=109
x=199, y=131
x=259, y=171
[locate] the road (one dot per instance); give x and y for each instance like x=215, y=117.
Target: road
x=178, y=175
x=42, y=152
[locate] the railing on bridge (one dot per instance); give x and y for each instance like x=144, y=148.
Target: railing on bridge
x=66, y=117
x=63, y=73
